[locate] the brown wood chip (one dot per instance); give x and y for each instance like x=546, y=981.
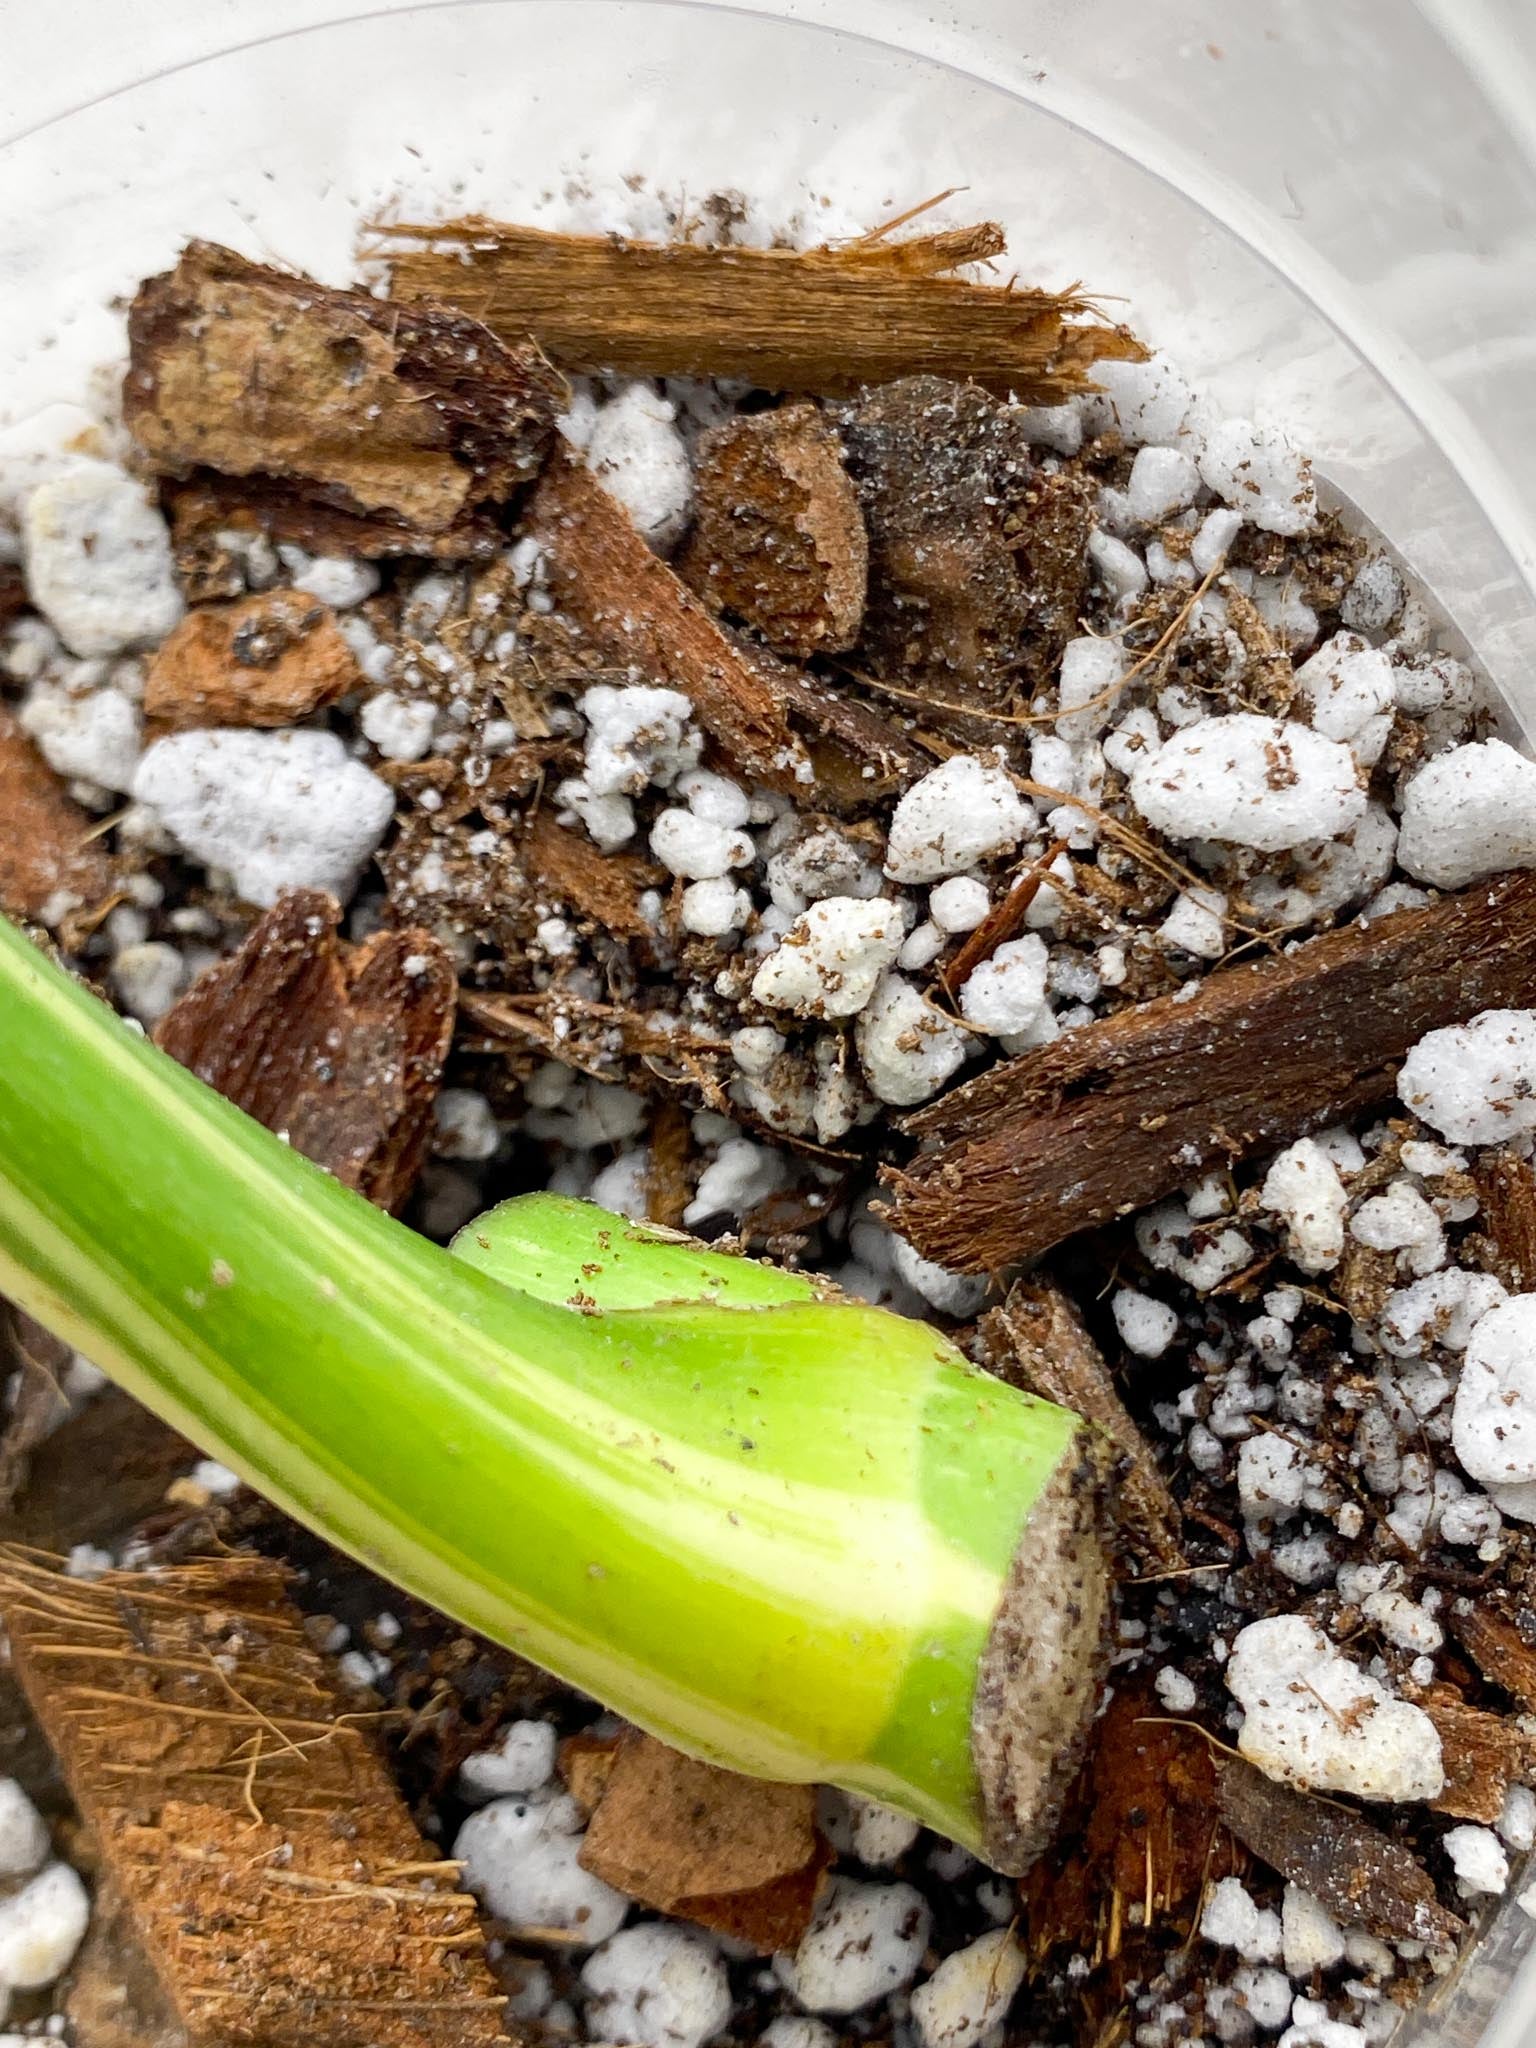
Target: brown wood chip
x=1141, y=1829
x=636, y=613
x=977, y=566
x=1362, y=1876
x=1123, y=1111
x=270, y=1867
x=739, y=1855
x=43, y=845
x=270, y=659
x=604, y=889
x=341, y=1048
x=414, y=416
x=1507, y=1185
x=1039, y=1333
x=1501, y=1651
x=814, y=320
x=1483, y=1753
x=778, y=539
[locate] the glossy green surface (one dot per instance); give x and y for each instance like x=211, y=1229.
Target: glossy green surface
x=775, y=1535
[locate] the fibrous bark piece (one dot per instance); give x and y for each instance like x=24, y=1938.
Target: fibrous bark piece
x=413, y=416
x=1039, y=1333
x=338, y=1048
x=809, y=320
x=1141, y=1829
x=1125, y=1110
x=205, y=509
x=977, y=564
x=778, y=539
x=565, y=867
x=1483, y=1753
x=635, y=612
x=1498, y=1648
x=1362, y=1876
x=45, y=853
x=270, y=659
x=270, y=1867
x=1507, y=1186
x=740, y=1855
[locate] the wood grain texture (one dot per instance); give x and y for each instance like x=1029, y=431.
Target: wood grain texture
x=1121, y=1112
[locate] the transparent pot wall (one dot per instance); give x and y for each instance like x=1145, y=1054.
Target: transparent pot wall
x=1328, y=211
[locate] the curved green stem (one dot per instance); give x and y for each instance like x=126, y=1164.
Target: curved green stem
x=775, y=1534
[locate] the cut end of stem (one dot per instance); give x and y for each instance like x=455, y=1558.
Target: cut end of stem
x=1042, y=1673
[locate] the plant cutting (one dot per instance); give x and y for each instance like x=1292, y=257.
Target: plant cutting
x=796, y=1535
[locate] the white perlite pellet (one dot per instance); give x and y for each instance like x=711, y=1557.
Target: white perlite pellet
x=1475, y=1083
x=95, y=735
x=1311, y=1939
x=464, y=1125
x=23, y=1831
x=907, y=1048
x=955, y=816
x=1469, y=813
x=1146, y=1325
x=279, y=810
x=636, y=735
x=1303, y=1188
x=865, y=1941
x=1007, y=994
x=1494, y=1419
x=656, y=1986
x=696, y=849
x=519, y=1858
x=797, y=2030
x=41, y=1926
x=1313, y=1718
x=635, y=450
x=969, y=1992
x=1478, y=1859
x=953, y=1294
x=1268, y=783
x=959, y=904
x=400, y=727
x=830, y=959
x=1260, y=474
x=1233, y=1919
x=98, y=560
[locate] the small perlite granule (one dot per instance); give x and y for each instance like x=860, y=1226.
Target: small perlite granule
x=953, y=817
x=656, y=1986
x=520, y=1859
x=865, y=1941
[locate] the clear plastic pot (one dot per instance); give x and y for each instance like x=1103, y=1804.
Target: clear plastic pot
x=1328, y=211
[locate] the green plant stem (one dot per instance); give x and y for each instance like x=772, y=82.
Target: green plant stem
x=775, y=1535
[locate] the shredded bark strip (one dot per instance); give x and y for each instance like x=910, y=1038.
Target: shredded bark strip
x=1498, y=1648
x=1039, y=1334
x=1483, y=1753
x=268, y=1862
x=339, y=1048
x=45, y=846
x=1121, y=1112
x=819, y=320
x=1506, y=1185
x=1362, y=1876
x=414, y=417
